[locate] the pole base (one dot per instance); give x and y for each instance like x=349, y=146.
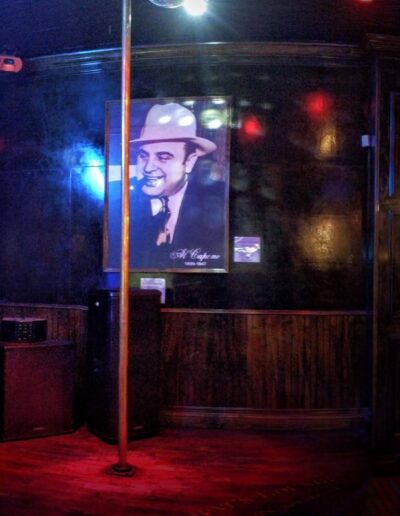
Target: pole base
x=121, y=470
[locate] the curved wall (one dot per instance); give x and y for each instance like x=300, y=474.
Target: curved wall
x=300, y=183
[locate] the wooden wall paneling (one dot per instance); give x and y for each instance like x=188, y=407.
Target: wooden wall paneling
x=266, y=361
x=334, y=352
x=300, y=395
x=256, y=361
x=286, y=368
x=304, y=368
x=206, y=357
x=323, y=385
x=313, y=363
x=229, y=362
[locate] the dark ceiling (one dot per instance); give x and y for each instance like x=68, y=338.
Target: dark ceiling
x=42, y=27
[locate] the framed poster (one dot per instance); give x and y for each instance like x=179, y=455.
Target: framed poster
x=179, y=180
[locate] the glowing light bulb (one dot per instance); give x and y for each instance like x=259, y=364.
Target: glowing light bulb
x=252, y=127
x=319, y=104
x=213, y=118
x=195, y=7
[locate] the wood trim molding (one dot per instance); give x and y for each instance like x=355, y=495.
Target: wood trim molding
x=258, y=419
x=92, y=61
x=7, y=304
x=300, y=313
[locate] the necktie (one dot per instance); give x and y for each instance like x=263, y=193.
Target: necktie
x=161, y=220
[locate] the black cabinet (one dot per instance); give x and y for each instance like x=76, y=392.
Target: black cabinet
x=143, y=363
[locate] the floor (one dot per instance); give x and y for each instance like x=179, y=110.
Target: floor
x=380, y=498
x=186, y=472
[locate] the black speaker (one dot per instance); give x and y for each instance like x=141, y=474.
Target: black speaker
x=37, y=389
x=143, y=363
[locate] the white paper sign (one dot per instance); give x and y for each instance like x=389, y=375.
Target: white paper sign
x=154, y=284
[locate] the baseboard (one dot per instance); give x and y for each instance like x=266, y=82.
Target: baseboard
x=278, y=419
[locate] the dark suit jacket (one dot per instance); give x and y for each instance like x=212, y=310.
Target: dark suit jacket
x=199, y=233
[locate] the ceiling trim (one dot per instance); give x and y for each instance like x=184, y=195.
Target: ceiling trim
x=244, y=52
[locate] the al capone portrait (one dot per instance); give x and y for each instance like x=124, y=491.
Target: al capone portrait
x=178, y=186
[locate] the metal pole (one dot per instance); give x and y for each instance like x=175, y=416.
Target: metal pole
x=122, y=467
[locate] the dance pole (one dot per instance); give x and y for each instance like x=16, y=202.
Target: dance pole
x=122, y=467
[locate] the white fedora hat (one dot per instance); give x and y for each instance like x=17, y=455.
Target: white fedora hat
x=172, y=122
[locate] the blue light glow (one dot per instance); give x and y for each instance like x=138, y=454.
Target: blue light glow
x=94, y=179
x=88, y=161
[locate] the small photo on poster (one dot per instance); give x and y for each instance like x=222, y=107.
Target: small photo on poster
x=247, y=249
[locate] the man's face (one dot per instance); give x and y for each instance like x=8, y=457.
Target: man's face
x=162, y=167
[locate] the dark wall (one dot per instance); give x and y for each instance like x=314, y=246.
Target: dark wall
x=50, y=196
x=300, y=183
x=47, y=27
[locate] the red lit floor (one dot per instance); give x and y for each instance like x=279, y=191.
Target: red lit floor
x=185, y=472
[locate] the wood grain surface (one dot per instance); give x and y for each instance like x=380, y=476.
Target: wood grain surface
x=272, y=361
x=245, y=359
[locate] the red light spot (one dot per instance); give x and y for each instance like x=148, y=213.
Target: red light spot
x=252, y=127
x=318, y=105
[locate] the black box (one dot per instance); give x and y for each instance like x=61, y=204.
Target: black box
x=23, y=329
